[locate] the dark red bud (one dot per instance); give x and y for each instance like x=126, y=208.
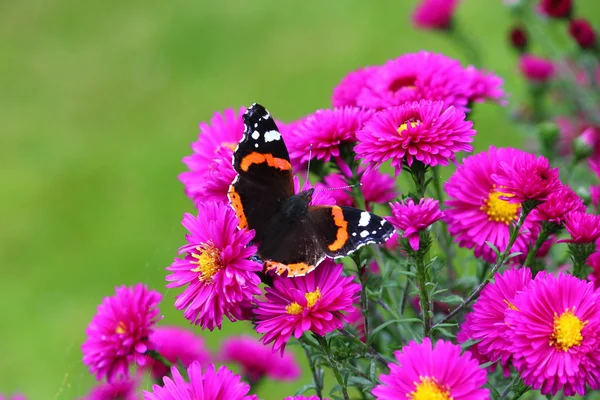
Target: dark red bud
x=518, y=38
x=583, y=33
x=557, y=8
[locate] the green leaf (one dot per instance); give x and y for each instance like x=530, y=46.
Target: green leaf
x=452, y=299
x=389, y=322
x=446, y=333
x=493, y=247
x=359, y=381
x=511, y=255
x=304, y=389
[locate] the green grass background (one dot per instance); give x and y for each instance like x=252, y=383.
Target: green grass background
x=99, y=102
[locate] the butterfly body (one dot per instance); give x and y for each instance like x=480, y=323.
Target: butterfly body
x=293, y=236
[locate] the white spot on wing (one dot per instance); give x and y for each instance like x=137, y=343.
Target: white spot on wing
x=255, y=135
x=364, y=219
x=364, y=234
x=256, y=145
x=272, y=135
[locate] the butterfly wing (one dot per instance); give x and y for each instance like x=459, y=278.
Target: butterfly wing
x=343, y=230
x=264, y=173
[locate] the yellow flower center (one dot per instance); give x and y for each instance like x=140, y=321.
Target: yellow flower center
x=311, y=299
x=404, y=126
x=567, y=330
x=429, y=389
x=208, y=260
x=121, y=328
x=510, y=305
x=499, y=210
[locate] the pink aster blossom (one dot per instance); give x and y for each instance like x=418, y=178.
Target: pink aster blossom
x=213, y=384
x=536, y=69
x=117, y=337
x=258, y=361
x=304, y=398
x=326, y=130
x=439, y=372
x=224, y=131
x=425, y=131
x=315, y=302
x=595, y=195
x=583, y=227
x=475, y=212
x=593, y=261
x=376, y=187
x=121, y=390
x=465, y=334
x=13, y=397
x=434, y=14
x=411, y=218
x=558, y=204
x=217, y=178
x=219, y=278
x=554, y=331
x=594, y=163
x=487, y=323
x=485, y=86
x=347, y=91
x=417, y=76
x=527, y=177
x=178, y=346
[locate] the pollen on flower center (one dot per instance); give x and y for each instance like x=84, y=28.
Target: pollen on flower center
x=311, y=299
x=567, y=330
x=208, y=260
x=404, y=126
x=121, y=328
x=429, y=389
x=499, y=210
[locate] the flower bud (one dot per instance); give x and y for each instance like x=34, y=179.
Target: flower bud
x=518, y=38
x=556, y=8
x=583, y=33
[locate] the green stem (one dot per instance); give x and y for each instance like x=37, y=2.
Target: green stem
x=156, y=356
x=333, y=365
x=405, y=293
x=499, y=262
x=424, y=300
x=364, y=299
x=466, y=45
x=313, y=369
x=418, y=172
x=484, y=270
x=365, y=347
x=542, y=237
x=445, y=238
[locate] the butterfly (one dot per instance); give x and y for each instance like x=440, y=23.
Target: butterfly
x=292, y=235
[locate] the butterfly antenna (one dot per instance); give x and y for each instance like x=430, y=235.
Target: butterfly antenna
x=309, y=158
x=343, y=187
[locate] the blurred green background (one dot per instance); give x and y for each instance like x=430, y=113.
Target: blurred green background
x=99, y=102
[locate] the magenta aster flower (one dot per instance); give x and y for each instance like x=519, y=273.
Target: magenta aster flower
x=224, y=131
x=347, y=91
x=487, y=323
x=485, y=86
x=417, y=76
x=14, y=397
x=558, y=204
x=326, y=130
x=258, y=361
x=425, y=131
x=122, y=390
x=584, y=228
x=215, y=183
x=527, y=177
x=376, y=187
x=536, y=69
x=475, y=211
x=465, y=334
x=212, y=385
x=428, y=372
x=176, y=345
x=315, y=302
x=117, y=337
x=554, y=331
x=219, y=278
x=434, y=14
x=412, y=218
x=593, y=261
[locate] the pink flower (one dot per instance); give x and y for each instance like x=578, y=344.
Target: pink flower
x=440, y=372
x=584, y=228
x=258, y=361
x=326, y=130
x=347, y=91
x=476, y=212
x=435, y=14
x=122, y=390
x=558, y=204
x=593, y=261
x=487, y=323
x=212, y=385
x=595, y=195
x=315, y=302
x=413, y=218
x=554, y=331
x=117, y=337
x=14, y=397
x=594, y=164
x=425, y=131
x=527, y=177
x=417, y=76
x=224, y=131
x=217, y=178
x=220, y=280
x=304, y=398
x=485, y=86
x=178, y=346
x=465, y=334
x=536, y=69
x=376, y=187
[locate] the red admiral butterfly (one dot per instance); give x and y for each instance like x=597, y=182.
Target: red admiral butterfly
x=291, y=234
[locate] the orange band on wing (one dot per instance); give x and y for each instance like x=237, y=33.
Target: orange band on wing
x=342, y=232
x=295, y=269
x=259, y=158
x=236, y=204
